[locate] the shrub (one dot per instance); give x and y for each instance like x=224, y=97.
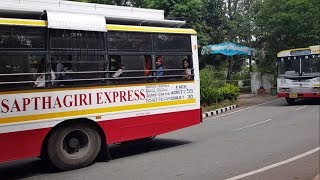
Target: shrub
x=210, y=77
x=210, y=83
x=210, y=96
x=230, y=92
x=213, y=88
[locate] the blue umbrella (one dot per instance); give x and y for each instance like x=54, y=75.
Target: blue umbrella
x=228, y=49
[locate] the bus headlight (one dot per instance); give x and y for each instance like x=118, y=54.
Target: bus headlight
x=288, y=90
x=283, y=89
x=316, y=89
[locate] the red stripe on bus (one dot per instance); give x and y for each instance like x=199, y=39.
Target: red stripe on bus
x=301, y=95
x=144, y=126
x=26, y=144
x=22, y=144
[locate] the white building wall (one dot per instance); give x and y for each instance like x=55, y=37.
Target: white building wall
x=256, y=81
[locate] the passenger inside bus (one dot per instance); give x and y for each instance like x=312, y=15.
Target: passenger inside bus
x=64, y=73
x=40, y=80
x=119, y=72
x=147, y=65
x=187, y=69
x=159, y=67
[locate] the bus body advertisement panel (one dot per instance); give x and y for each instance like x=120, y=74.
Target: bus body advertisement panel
x=31, y=106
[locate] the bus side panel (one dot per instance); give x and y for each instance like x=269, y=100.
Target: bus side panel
x=145, y=126
x=26, y=144
x=21, y=144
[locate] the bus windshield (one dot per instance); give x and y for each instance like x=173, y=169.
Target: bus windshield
x=311, y=66
x=289, y=66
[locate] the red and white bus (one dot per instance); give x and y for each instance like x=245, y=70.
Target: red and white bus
x=299, y=73
x=68, y=88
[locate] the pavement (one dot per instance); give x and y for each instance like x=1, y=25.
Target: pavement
x=245, y=100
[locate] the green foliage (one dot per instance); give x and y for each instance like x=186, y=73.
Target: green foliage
x=210, y=77
x=210, y=96
x=284, y=24
x=214, y=18
x=229, y=91
x=213, y=88
x=197, y=15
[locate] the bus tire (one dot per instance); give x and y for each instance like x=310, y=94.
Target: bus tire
x=290, y=101
x=73, y=146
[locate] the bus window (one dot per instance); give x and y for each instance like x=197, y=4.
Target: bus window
x=132, y=68
x=22, y=38
x=311, y=65
x=129, y=41
x=172, y=43
x=63, y=40
x=78, y=69
x=78, y=57
x=174, y=69
x=147, y=65
x=13, y=69
x=289, y=66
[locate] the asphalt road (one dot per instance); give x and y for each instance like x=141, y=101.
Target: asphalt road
x=222, y=147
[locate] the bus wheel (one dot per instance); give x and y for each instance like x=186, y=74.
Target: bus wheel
x=74, y=146
x=290, y=101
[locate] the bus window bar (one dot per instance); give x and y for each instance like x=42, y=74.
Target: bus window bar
x=86, y=72
x=23, y=74
x=77, y=49
x=95, y=79
x=141, y=77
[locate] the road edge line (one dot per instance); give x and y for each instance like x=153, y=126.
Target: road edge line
x=274, y=165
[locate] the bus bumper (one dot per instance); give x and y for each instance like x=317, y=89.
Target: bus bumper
x=301, y=95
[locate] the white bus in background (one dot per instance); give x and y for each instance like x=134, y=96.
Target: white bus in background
x=299, y=73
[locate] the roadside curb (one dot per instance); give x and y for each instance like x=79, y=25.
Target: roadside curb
x=219, y=111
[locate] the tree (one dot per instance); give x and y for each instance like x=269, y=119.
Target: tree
x=215, y=19
x=240, y=26
x=285, y=24
x=189, y=10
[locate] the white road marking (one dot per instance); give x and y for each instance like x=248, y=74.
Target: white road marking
x=213, y=117
x=300, y=108
x=252, y=125
x=274, y=165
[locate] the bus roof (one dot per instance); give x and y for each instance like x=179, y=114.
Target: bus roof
x=300, y=51
x=109, y=27
x=34, y=9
